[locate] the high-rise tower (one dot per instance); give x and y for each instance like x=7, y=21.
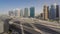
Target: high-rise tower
x=45, y=12
x=26, y=12
x=21, y=13
x=57, y=11
x=52, y=12
x=32, y=12
x=17, y=12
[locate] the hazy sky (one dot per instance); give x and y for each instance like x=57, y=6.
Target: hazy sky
x=6, y=5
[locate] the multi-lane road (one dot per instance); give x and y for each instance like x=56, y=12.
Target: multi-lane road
x=27, y=27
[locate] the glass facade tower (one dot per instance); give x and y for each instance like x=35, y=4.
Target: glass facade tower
x=32, y=12
x=52, y=12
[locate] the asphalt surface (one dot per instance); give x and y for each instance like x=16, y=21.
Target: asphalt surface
x=46, y=29
x=43, y=28
x=12, y=27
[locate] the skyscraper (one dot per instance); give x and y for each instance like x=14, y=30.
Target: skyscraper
x=45, y=12
x=11, y=13
x=57, y=11
x=14, y=13
x=32, y=12
x=21, y=13
x=59, y=14
x=26, y=12
x=52, y=12
x=17, y=13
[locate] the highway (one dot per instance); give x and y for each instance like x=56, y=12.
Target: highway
x=46, y=30
x=28, y=29
x=24, y=27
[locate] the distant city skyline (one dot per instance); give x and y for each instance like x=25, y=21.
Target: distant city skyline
x=6, y=5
